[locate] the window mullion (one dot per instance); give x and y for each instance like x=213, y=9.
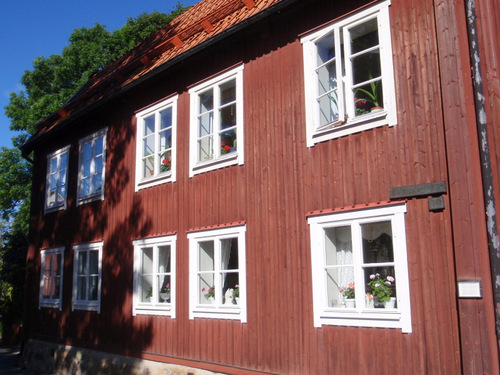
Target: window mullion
x=357, y=248
x=340, y=79
x=349, y=96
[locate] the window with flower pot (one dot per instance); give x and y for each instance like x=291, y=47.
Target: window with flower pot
x=156, y=144
x=359, y=268
x=91, y=167
x=154, y=276
x=51, y=277
x=217, y=287
x=57, y=176
x=87, y=273
x=216, y=135
x=349, y=76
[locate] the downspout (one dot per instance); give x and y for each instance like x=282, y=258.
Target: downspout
x=484, y=152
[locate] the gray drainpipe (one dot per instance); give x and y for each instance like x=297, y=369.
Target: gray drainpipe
x=484, y=151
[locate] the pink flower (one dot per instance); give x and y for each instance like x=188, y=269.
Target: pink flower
x=351, y=286
x=390, y=278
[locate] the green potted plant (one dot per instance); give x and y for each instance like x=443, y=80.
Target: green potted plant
x=210, y=295
x=165, y=292
x=381, y=289
x=364, y=96
x=349, y=294
x=236, y=294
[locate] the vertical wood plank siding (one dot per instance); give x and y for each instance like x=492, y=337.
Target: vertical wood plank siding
x=281, y=180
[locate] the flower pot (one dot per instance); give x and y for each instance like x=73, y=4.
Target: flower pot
x=377, y=303
x=211, y=300
x=390, y=304
x=350, y=303
x=165, y=296
x=376, y=109
x=237, y=300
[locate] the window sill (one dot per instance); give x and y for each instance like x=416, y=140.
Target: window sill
x=222, y=161
x=358, y=124
x=217, y=312
x=86, y=306
x=59, y=207
x=161, y=178
x=90, y=198
x=163, y=309
x=50, y=304
x=363, y=318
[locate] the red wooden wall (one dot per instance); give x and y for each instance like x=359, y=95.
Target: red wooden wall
x=280, y=181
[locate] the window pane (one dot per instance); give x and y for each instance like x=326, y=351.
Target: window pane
x=149, y=125
x=82, y=263
x=326, y=49
x=163, y=259
x=99, y=146
x=93, y=262
x=367, y=97
x=327, y=78
x=146, y=288
x=329, y=111
x=206, y=101
x=147, y=261
x=81, y=292
x=166, y=161
x=229, y=254
x=148, y=145
x=366, y=67
x=53, y=165
x=86, y=168
x=228, y=116
x=364, y=36
x=87, y=151
x=98, y=164
x=338, y=280
x=387, y=281
x=228, y=141
x=206, y=256
x=166, y=139
x=228, y=92
x=206, y=288
x=166, y=118
x=148, y=166
x=93, y=288
x=205, y=149
x=64, y=161
x=57, y=265
x=377, y=242
x=57, y=288
x=205, y=123
x=339, y=264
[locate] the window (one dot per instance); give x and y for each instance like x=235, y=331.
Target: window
x=349, y=76
x=57, y=175
x=353, y=250
x=91, y=167
x=51, y=277
x=217, y=122
x=217, y=287
x=87, y=276
x=154, y=276
x=156, y=144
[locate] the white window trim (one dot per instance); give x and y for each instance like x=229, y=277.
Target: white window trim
x=222, y=161
x=169, y=176
x=50, y=302
x=84, y=304
x=388, y=116
x=62, y=205
x=360, y=317
x=153, y=308
x=197, y=310
x=82, y=199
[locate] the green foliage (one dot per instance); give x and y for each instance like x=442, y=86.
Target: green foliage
x=50, y=84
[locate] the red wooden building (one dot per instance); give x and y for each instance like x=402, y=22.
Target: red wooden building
x=277, y=186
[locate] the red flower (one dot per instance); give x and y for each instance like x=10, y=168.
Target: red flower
x=227, y=148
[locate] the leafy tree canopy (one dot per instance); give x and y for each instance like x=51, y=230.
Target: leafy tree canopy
x=50, y=84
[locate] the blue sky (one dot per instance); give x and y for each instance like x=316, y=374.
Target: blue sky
x=32, y=28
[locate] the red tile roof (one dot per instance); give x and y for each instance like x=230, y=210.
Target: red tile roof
x=199, y=24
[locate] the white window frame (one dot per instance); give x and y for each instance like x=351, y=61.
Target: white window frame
x=154, y=308
x=219, y=159
x=86, y=304
x=348, y=122
x=218, y=310
x=57, y=155
x=92, y=139
x=51, y=302
x=158, y=177
x=361, y=316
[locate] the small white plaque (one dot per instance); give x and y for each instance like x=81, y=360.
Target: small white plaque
x=469, y=289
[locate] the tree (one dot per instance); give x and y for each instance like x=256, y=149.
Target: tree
x=50, y=84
